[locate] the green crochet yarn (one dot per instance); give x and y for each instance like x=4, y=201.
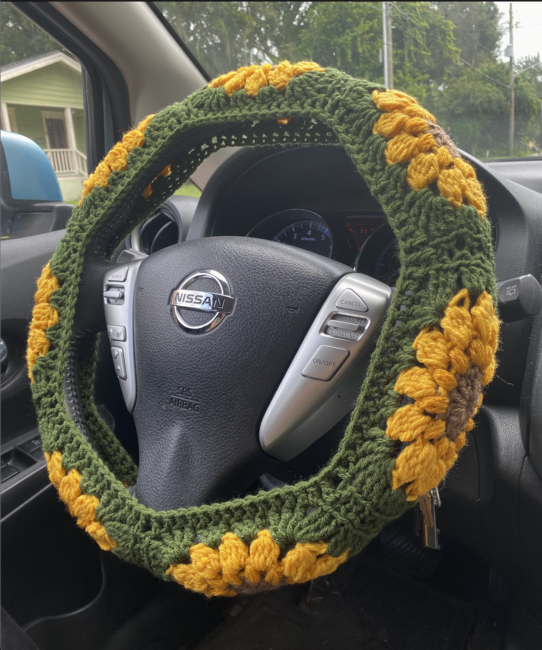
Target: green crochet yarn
x=351, y=499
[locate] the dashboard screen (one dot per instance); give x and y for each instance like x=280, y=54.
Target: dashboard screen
x=358, y=229
x=311, y=235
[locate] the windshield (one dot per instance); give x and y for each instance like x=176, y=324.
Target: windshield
x=475, y=65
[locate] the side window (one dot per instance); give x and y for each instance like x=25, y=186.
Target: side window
x=41, y=97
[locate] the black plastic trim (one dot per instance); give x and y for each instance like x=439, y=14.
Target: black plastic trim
x=531, y=398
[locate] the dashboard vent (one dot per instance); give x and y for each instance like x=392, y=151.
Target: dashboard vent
x=159, y=231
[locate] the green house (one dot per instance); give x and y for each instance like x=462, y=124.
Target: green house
x=42, y=99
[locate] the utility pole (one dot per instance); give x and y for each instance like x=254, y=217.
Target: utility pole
x=512, y=95
x=387, y=48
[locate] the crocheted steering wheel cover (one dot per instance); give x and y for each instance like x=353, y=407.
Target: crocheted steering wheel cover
x=424, y=384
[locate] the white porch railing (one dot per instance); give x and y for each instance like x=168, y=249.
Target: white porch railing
x=68, y=161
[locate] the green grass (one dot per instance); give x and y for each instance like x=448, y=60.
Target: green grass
x=188, y=189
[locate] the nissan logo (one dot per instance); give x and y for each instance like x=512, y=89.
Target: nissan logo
x=216, y=304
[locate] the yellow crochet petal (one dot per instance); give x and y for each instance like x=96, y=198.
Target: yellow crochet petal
x=81, y=506
x=416, y=383
x=264, y=558
x=116, y=159
x=253, y=78
x=408, y=423
x=43, y=317
x=69, y=490
x=423, y=170
x=432, y=349
x=97, y=532
x=218, y=572
x=445, y=379
x=411, y=139
x=300, y=564
x=405, y=146
x=436, y=404
x=390, y=125
x=233, y=555
x=55, y=469
x=466, y=339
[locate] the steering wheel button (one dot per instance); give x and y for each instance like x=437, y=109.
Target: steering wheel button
x=350, y=300
x=112, y=294
x=118, y=275
x=116, y=332
x=325, y=363
x=345, y=325
x=118, y=362
x=343, y=334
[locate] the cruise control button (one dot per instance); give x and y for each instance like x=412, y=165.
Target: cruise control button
x=118, y=275
x=343, y=334
x=325, y=362
x=350, y=300
x=344, y=325
x=114, y=293
x=116, y=332
x=118, y=362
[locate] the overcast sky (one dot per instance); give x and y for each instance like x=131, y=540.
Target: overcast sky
x=528, y=33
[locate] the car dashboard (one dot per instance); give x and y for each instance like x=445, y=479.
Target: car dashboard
x=307, y=197
x=312, y=197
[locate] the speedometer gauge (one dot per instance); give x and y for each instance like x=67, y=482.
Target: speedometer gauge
x=297, y=227
x=312, y=236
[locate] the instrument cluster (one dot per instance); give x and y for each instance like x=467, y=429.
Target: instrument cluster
x=363, y=240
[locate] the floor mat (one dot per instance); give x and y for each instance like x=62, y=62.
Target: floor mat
x=362, y=605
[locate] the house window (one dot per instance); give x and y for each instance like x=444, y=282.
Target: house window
x=55, y=130
x=42, y=98
x=56, y=133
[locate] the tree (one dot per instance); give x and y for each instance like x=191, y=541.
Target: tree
x=344, y=35
x=477, y=31
x=227, y=35
x=446, y=54
x=20, y=38
x=423, y=48
x=528, y=87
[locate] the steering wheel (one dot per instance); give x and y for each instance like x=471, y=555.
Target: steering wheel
x=235, y=354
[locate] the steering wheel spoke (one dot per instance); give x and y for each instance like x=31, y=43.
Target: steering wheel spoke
x=325, y=378
x=118, y=296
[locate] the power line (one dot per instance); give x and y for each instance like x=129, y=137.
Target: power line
x=402, y=13
x=483, y=74
x=495, y=81
x=465, y=31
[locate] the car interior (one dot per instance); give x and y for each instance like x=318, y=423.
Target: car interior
x=476, y=584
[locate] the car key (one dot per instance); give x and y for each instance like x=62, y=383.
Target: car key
x=426, y=521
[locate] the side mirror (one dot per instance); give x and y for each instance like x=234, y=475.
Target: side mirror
x=31, y=200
